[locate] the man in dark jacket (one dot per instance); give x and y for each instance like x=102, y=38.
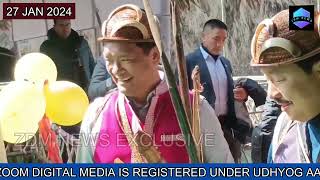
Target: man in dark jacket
x=70, y=52
x=258, y=95
x=254, y=90
x=216, y=78
x=101, y=81
x=7, y=63
x=72, y=56
x=262, y=134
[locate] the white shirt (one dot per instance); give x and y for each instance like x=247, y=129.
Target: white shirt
x=219, y=81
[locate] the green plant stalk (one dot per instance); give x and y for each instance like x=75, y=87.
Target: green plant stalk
x=173, y=90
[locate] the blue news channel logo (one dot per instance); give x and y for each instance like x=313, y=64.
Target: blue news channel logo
x=301, y=17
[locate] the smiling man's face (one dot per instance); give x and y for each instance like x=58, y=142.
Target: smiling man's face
x=296, y=91
x=134, y=72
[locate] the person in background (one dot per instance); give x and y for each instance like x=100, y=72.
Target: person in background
x=70, y=52
x=262, y=134
x=216, y=78
x=101, y=81
x=258, y=95
x=73, y=58
x=7, y=63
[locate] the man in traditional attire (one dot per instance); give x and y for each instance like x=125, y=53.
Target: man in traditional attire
x=141, y=102
x=290, y=59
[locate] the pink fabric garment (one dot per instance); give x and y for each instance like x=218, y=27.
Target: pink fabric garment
x=112, y=142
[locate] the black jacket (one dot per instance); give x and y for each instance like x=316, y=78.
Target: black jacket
x=254, y=90
x=7, y=63
x=72, y=56
x=101, y=82
x=262, y=134
x=258, y=94
x=74, y=61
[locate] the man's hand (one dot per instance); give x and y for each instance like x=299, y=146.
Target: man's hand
x=195, y=72
x=240, y=94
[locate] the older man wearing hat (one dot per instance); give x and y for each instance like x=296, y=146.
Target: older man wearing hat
x=141, y=102
x=290, y=59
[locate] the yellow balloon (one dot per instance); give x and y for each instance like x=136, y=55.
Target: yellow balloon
x=3, y=154
x=66, y=102
x=22, y=106
x=35, y=67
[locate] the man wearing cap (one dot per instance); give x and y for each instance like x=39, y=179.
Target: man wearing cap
x=141, y=102
x=290, y=59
